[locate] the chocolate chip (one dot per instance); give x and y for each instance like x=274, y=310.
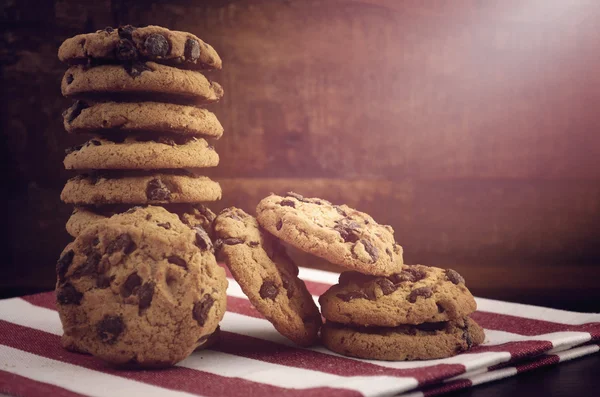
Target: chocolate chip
x=145, y=294
x=75, y=110
x=288, y=203
x=70, y=78
x=410, y=274
x=110, y=328
x=125, y=32
x=109, y=29
x=279, y=224
x=96, y=241
x=156, y=45
x=454, y=277
x=340, y=210
x=390, y=254
x=371, y=249
x=205, y=212
x=131, y=285
x=123, y=242
x=68, y=295
x=156, y=190
x=62, y=265
x=136, y=69
x=233, y=241
x=176, y=260
x=125, y=51
x=148, y=217
x=166, y=225
x=201, y=309
x=348, y=230
x=348, y=296
x=467, y=337
x=387, y=287
x=202, y=240
x=297, y=196
x=95, y=142
x=192, y=49
x=104, y=281
x=90, y=266
x=425, y=292
x=253, y=244
x=268, y=290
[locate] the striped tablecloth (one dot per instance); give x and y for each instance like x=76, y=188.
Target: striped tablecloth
x=254, y=360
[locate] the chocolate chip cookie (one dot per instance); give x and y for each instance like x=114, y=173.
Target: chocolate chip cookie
x=130, y=44
x=140, y=117
x=190, y=214
x=132, y=291
x=152, y=187
x=337, y=233
x=267, y=276
x=415, y=295
x=135, y=153
x=409, y=342
x=147, y=81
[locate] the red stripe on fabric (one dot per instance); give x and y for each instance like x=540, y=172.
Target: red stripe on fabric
x=447, y=387
x=176, y=378
x=17, y=385
x=518, y=349
x=275, y=353
x=530, y=327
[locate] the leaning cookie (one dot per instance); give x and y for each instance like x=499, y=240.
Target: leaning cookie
x=267, y=276
x=132, y=291
x=158, y=187
x=129, y=44
x=337, y=233
x=135, y=153
x=147, y=81
x=410, y=342
x=415, y=295
x=140, y=117
x=192, y=215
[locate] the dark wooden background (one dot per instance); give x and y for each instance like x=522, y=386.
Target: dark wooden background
x=471, y=127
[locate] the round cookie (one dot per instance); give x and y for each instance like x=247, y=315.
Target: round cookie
x=128, y=43
x=337, y=233
x=165, y=153
x=267, y=276
x=416, y=295
x=136, y=117
x=141, y=80
x=131, y=291
x=424, y=342
x=139, y=188
x=190, y=214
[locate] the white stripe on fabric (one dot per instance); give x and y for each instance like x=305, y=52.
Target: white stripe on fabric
x=77, y=379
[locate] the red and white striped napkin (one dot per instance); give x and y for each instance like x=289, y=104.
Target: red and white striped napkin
x=254, y=360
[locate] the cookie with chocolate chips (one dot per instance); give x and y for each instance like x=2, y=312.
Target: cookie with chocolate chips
x=112, y=118
x=151, y=187
x=408, y=342
x=267, y=276
x=131, y=291
x=140, y=81
x=138, y=152
x=190, y=214
x=337, y=233
x=416, y=295
x=128, y=44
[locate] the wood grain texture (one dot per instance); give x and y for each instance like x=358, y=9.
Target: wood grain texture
x=468, y=126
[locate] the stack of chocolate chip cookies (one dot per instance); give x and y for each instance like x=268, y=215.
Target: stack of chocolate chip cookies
x=381, y=309
x=139, y=92
x=140, y=285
